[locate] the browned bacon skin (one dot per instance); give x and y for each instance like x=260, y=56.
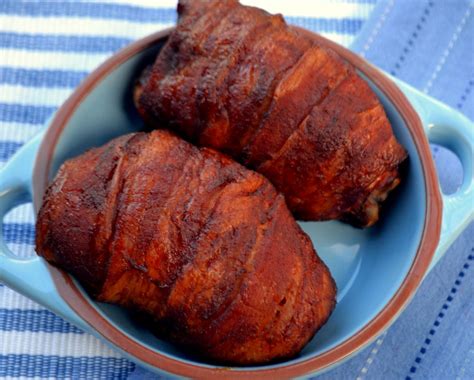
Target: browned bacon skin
x=204, y=246
x=241, y=81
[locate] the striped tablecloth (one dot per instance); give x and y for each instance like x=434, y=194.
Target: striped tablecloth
x=46, y=49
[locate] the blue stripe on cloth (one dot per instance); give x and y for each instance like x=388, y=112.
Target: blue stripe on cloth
x=158, y=15
x=19, y=233
x=40, y=42
x=34, y=321
x=91, y=10
x=19, y=113
x=8, y=148
x=99, y=44
x=65, y=367
x=41, y=78
x=343, y=25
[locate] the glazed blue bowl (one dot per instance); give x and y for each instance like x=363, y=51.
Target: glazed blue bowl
x=377, y=270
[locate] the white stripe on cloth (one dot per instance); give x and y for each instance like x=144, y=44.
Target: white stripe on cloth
x=51, y=60
x=10, y=300
x=52, y=343
x=17, y=132
x=140, y=3
x=342, y=39
x=307, y=8
x=78, y=26
x=22, y=251
x=21, y=214
x=36, y=96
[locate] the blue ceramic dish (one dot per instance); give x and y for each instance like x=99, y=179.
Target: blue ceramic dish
x=377, y=270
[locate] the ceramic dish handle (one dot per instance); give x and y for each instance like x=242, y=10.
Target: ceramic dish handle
x=28, y=276
x=449, y=128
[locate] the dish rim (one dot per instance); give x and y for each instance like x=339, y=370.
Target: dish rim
x=73, y=296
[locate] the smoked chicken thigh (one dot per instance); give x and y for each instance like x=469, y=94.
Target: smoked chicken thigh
x=202, y=245
x=239, y=80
